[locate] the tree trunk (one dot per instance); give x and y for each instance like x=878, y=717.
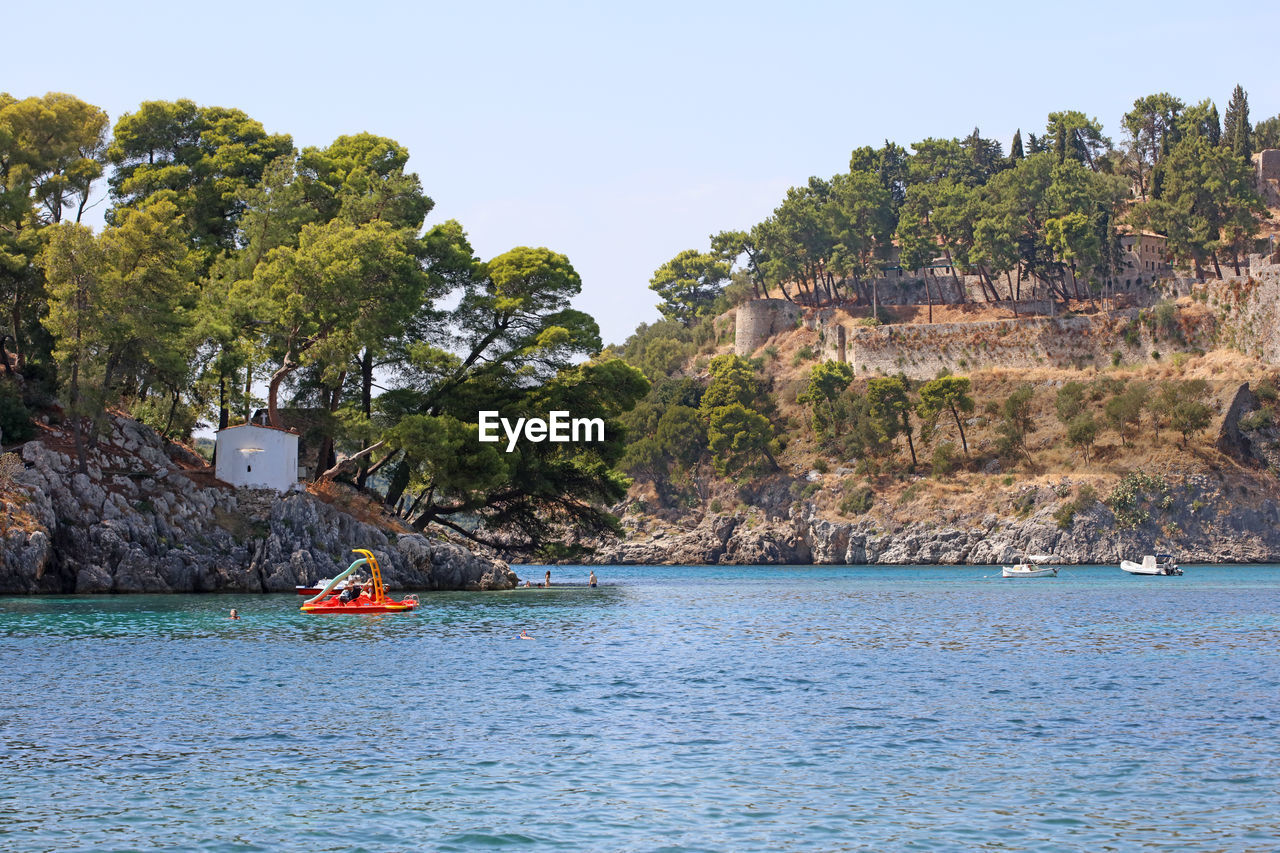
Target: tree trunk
x=399, y=482
x=1216, y=267
x=928, y=296
x=16, y=316
x=224, y=414
x=1235, y=260
x=273, y=390
x=960, y=427
x=955, y=278
x=77, y=421
x=4, y=356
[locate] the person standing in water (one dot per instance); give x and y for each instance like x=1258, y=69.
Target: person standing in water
x=591, y=581
x=547, y=582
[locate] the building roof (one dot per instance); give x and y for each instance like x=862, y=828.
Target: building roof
x=260, y=426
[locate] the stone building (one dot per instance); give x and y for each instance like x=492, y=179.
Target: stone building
x=1144, y=258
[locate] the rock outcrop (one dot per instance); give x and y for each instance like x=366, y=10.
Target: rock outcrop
x=1190, y=518
x=137, y=521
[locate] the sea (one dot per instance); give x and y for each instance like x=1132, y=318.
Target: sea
x=668, y=709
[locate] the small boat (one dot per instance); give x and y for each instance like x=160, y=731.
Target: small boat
x=1033, y=566
x=372, y=598
x=315, y=588
x=1152, y=564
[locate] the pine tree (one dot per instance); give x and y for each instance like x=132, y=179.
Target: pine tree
x=1237, y=133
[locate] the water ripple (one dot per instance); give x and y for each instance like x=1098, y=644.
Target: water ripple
x=805, y=708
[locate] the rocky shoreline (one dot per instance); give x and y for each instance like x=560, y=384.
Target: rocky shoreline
x=147, y=520
x=1201, y=527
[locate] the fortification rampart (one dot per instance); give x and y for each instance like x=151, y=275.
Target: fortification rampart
x=1248, y=310
x=761, y=319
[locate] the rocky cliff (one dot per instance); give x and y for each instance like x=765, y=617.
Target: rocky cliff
x=147, y=519
x=1190, y=517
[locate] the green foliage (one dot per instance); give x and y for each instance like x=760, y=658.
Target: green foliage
x=827, y=382
x=1189, y=417
x=15, y=419
x=1017, y=423
x=944, y=460
x=945, y=394
x=1164, y=320
x=1133, y=498
x=1085, y=498
x=1082, y=432
x=857, y=502
x=1237, y=133
x=1069, y=403
x=890, y=408
x=733, y=380
x=739, y=439
x=1266, y=391
x=1124, y=410
x=1259, y=419
x=689, y=284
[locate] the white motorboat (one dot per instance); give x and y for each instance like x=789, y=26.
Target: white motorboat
x=1152, y=564
x=314, y=589
x=1033, y=566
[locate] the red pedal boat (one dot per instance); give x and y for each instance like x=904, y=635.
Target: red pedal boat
x=375, y=601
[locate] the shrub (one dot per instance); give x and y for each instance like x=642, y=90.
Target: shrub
x=857, y=502
x=1132, y=498
x=1266, y=390
x=802, y=355
x=1261, y=419
x=821, y=466
x=1084, y=499
x=944, y=460
x=15, y=419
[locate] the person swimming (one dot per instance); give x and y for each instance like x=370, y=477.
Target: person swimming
x=234, y=614
x=524, y=635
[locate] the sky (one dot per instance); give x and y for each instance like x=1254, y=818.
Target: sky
x=620, y=135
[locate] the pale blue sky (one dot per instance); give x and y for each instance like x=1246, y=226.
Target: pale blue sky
x=622, y=135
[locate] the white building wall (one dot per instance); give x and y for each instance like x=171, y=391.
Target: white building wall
x=257, y=457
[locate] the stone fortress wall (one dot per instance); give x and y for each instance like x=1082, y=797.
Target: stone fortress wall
x=1268, y=163
x=1241, y=312
x=761, y=319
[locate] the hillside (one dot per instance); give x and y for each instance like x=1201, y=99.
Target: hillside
x=1209, y=495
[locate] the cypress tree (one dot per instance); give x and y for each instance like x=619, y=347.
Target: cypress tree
x=1060, y=145
x=1015, y=150
x=1236, y=130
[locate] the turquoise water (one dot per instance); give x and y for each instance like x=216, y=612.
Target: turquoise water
x=816, y=708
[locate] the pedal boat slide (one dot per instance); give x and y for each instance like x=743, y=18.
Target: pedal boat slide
x=327, y=601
